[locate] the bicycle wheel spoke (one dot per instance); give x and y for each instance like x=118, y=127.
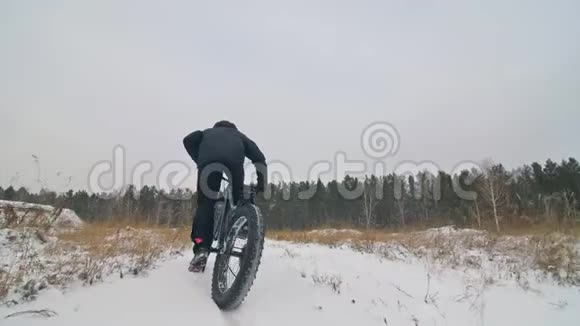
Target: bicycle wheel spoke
x=231, y=271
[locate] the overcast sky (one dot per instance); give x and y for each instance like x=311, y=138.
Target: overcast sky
x=460, y=80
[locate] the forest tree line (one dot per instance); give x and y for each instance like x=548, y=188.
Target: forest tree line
x=533, y=193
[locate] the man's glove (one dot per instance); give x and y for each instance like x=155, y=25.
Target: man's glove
x=262, y=172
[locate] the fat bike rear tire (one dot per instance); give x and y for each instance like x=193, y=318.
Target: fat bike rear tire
x=247, y=223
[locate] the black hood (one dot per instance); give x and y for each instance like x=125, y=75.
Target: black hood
x=225, y=124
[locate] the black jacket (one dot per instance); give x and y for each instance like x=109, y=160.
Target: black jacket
x=224, y=145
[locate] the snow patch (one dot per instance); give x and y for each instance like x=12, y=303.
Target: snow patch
x=14, y=213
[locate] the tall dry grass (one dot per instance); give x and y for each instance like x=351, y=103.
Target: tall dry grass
x=126, y=248
x=87, y=254
x=390, y=234
x=514, y=251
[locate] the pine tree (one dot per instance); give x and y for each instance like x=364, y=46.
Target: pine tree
x=10, y=193
x=551, y=176
x=22, y=195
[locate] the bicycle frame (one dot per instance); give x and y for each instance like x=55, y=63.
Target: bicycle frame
x=223, y=219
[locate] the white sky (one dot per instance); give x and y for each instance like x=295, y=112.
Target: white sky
x=460, y=80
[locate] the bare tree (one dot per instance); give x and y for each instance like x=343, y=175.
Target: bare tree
x=477, y=214
x=401, y=206
x=547, y=201
x=492, y=187
x=428, y=185
x=400, y=194
x=568, y=199
x=370, y=200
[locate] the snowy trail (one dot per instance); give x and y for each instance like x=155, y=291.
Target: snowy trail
x=372, y=292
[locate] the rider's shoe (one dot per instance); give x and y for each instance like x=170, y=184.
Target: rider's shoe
x=197, y=264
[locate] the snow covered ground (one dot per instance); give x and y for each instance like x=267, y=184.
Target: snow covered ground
x=306, y=284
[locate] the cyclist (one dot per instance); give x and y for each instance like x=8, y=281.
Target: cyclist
x=218, y=150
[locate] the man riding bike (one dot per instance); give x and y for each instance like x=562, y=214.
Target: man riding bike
x=218, y=150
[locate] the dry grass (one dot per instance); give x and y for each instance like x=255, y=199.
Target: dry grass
x=8, y=279
x=312, y=236
x=388, y=235
x=332, y=281
x=129, y=249
x=512, y=253
x=13, y=271
x=95, y=235
x=41, y=246
x=539, y=229
x=87, y=254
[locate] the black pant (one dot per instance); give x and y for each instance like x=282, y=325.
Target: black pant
x=209, y=179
